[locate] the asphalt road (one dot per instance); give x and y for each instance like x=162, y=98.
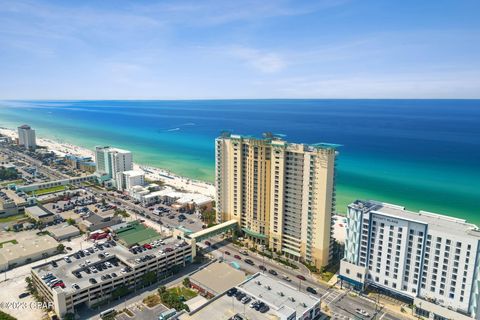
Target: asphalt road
x=340, y=302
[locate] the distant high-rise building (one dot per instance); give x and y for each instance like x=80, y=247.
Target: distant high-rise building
x=282, y=194
x=26, y=137
x=111, y=162
x=431, y=260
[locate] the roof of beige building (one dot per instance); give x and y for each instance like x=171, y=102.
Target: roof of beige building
x=27, y=248
x=218, y=277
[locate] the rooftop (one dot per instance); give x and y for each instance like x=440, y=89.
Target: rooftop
x=27, y=247
x=280, y=296
x=281, y=306
x=65, y=270
x=136, y=232
x=133, y=173
x=218, y=277
x=62, y=230
x=435, y=221
x=38, y=212
x=277, y=139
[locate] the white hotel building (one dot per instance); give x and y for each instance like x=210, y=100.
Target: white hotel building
x=428, y=259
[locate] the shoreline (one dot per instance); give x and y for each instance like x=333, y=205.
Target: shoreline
x=151, y=173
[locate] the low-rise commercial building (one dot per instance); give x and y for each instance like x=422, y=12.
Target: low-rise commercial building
x=427, y=259
x=63, y=182
x=120, y=273
x=15, y=253
x=40, y=214
x=216, y=278
x=100, y=220
x=63, y=232
x=284, y=301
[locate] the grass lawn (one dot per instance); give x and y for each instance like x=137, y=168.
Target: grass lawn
x=18, y=181
x=182, y=291
x=11, y=241
x=152, y=300
x=47, y=190
x=12, y=218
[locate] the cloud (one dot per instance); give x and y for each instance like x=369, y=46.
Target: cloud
x=214, y=12
x=266, y=62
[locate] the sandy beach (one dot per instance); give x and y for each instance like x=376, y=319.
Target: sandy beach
x=151, y=173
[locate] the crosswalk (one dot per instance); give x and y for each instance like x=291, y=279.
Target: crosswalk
x=330, y=296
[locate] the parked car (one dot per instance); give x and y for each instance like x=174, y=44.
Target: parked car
x=250, y=262
x=227, y=253
x=231, y=292
x=299, y=276
x=262, y=268
x=237, y=257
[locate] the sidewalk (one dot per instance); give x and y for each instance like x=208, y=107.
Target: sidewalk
x=393, y=306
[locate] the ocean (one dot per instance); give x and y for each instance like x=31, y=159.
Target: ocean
x=422, y=154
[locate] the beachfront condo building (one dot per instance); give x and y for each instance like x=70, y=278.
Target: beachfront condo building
x=430, y=260
x=128, y=179
x=26, y=137
x=282, y=194
x=111, y=162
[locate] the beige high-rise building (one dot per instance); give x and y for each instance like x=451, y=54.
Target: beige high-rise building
x=282, y=194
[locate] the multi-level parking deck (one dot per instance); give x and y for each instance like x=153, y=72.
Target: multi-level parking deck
x=94, y=277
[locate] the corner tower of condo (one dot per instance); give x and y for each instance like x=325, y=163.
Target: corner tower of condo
x=281, y=194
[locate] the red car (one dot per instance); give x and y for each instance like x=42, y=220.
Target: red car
x=301, y=277
x=237, y=257
x=227, y=253
x=147, y=246
x=59, y=284
x=207, y=243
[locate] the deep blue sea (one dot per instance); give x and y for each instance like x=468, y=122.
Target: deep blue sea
x=423, y=154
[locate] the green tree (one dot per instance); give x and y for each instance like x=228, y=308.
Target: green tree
x=71, y=221
x=186, y=282
x=6, y=316
x=120, y=292
x=149, y=278
x=60, y=247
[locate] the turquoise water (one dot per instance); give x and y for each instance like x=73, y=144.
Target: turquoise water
x=423, y=154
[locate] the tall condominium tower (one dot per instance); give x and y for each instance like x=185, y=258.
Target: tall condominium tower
x=111, y=162
x=26, y=137
x=431, y=260
x=281, y=194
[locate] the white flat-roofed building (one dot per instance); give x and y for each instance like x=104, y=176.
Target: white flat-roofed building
x=26, y=137
x=429, y=259
x=285, y=302
x=126, y=180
